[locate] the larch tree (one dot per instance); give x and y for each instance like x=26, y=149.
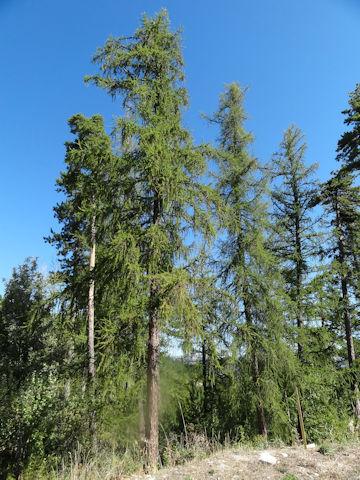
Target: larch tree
x=85, y=183
x=244, y=263
x=146, y=72
x=341, y=198
x=294, y=226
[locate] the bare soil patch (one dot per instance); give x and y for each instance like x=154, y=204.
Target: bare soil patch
x=341, y=462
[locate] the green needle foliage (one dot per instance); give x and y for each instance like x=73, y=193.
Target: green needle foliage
x=87, y=186
x=295, y=233
x=349, y=144
x=84, y=184
x=341, y=198
x=146, y=72
x=245, y=265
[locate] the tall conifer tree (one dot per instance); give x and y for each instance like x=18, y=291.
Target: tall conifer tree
x=294, y=227
x=341, y=198
x=244, y=263
x=146, y=71
x=89, y=160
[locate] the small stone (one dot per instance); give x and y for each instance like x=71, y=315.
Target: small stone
x=310, y=446
x=267, y=458
x=283, y=454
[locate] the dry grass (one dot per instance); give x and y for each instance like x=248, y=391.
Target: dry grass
x=97, y=467
x=339, y=463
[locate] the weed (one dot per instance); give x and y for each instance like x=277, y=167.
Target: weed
x=326, y=449
x=259, y=442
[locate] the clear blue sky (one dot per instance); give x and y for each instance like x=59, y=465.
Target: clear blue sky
x=299, y=57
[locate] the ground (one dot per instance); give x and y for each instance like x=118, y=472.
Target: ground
x=341, y=462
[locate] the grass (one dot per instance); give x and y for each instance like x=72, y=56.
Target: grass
x=105, y=465
x=102, y=467
x=209, y=457
x=326, y=449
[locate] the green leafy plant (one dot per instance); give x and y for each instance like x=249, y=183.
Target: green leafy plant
x=326, y=449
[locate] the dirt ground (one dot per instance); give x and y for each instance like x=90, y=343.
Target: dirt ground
x=292, y=463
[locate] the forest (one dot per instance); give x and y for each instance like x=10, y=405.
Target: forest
x=199, y=288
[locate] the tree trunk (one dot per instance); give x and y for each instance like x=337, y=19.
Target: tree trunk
x=299, y=312
x=259, y=406
x=152, y=408
x=69, y=357
x=91, y=305
x=205, y=377
x=299, y=269
x=153, y=374
x=70, y=352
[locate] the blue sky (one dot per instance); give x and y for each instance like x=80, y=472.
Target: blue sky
x=299, y=58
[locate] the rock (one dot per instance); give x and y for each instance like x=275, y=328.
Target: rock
x=267, y=458
x=283, y=454
x=311, y=446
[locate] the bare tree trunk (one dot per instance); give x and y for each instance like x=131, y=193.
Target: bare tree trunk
x=299, y=269
x=152, y=407
x=205, y=377
x=153, y=374
x=259, y=406
x=355, y=388
x=91, y=304
x=69, y=357
x=73, y=303
x=85, y=374
x=68, y=360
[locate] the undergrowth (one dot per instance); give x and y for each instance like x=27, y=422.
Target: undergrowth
x=106, y=464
